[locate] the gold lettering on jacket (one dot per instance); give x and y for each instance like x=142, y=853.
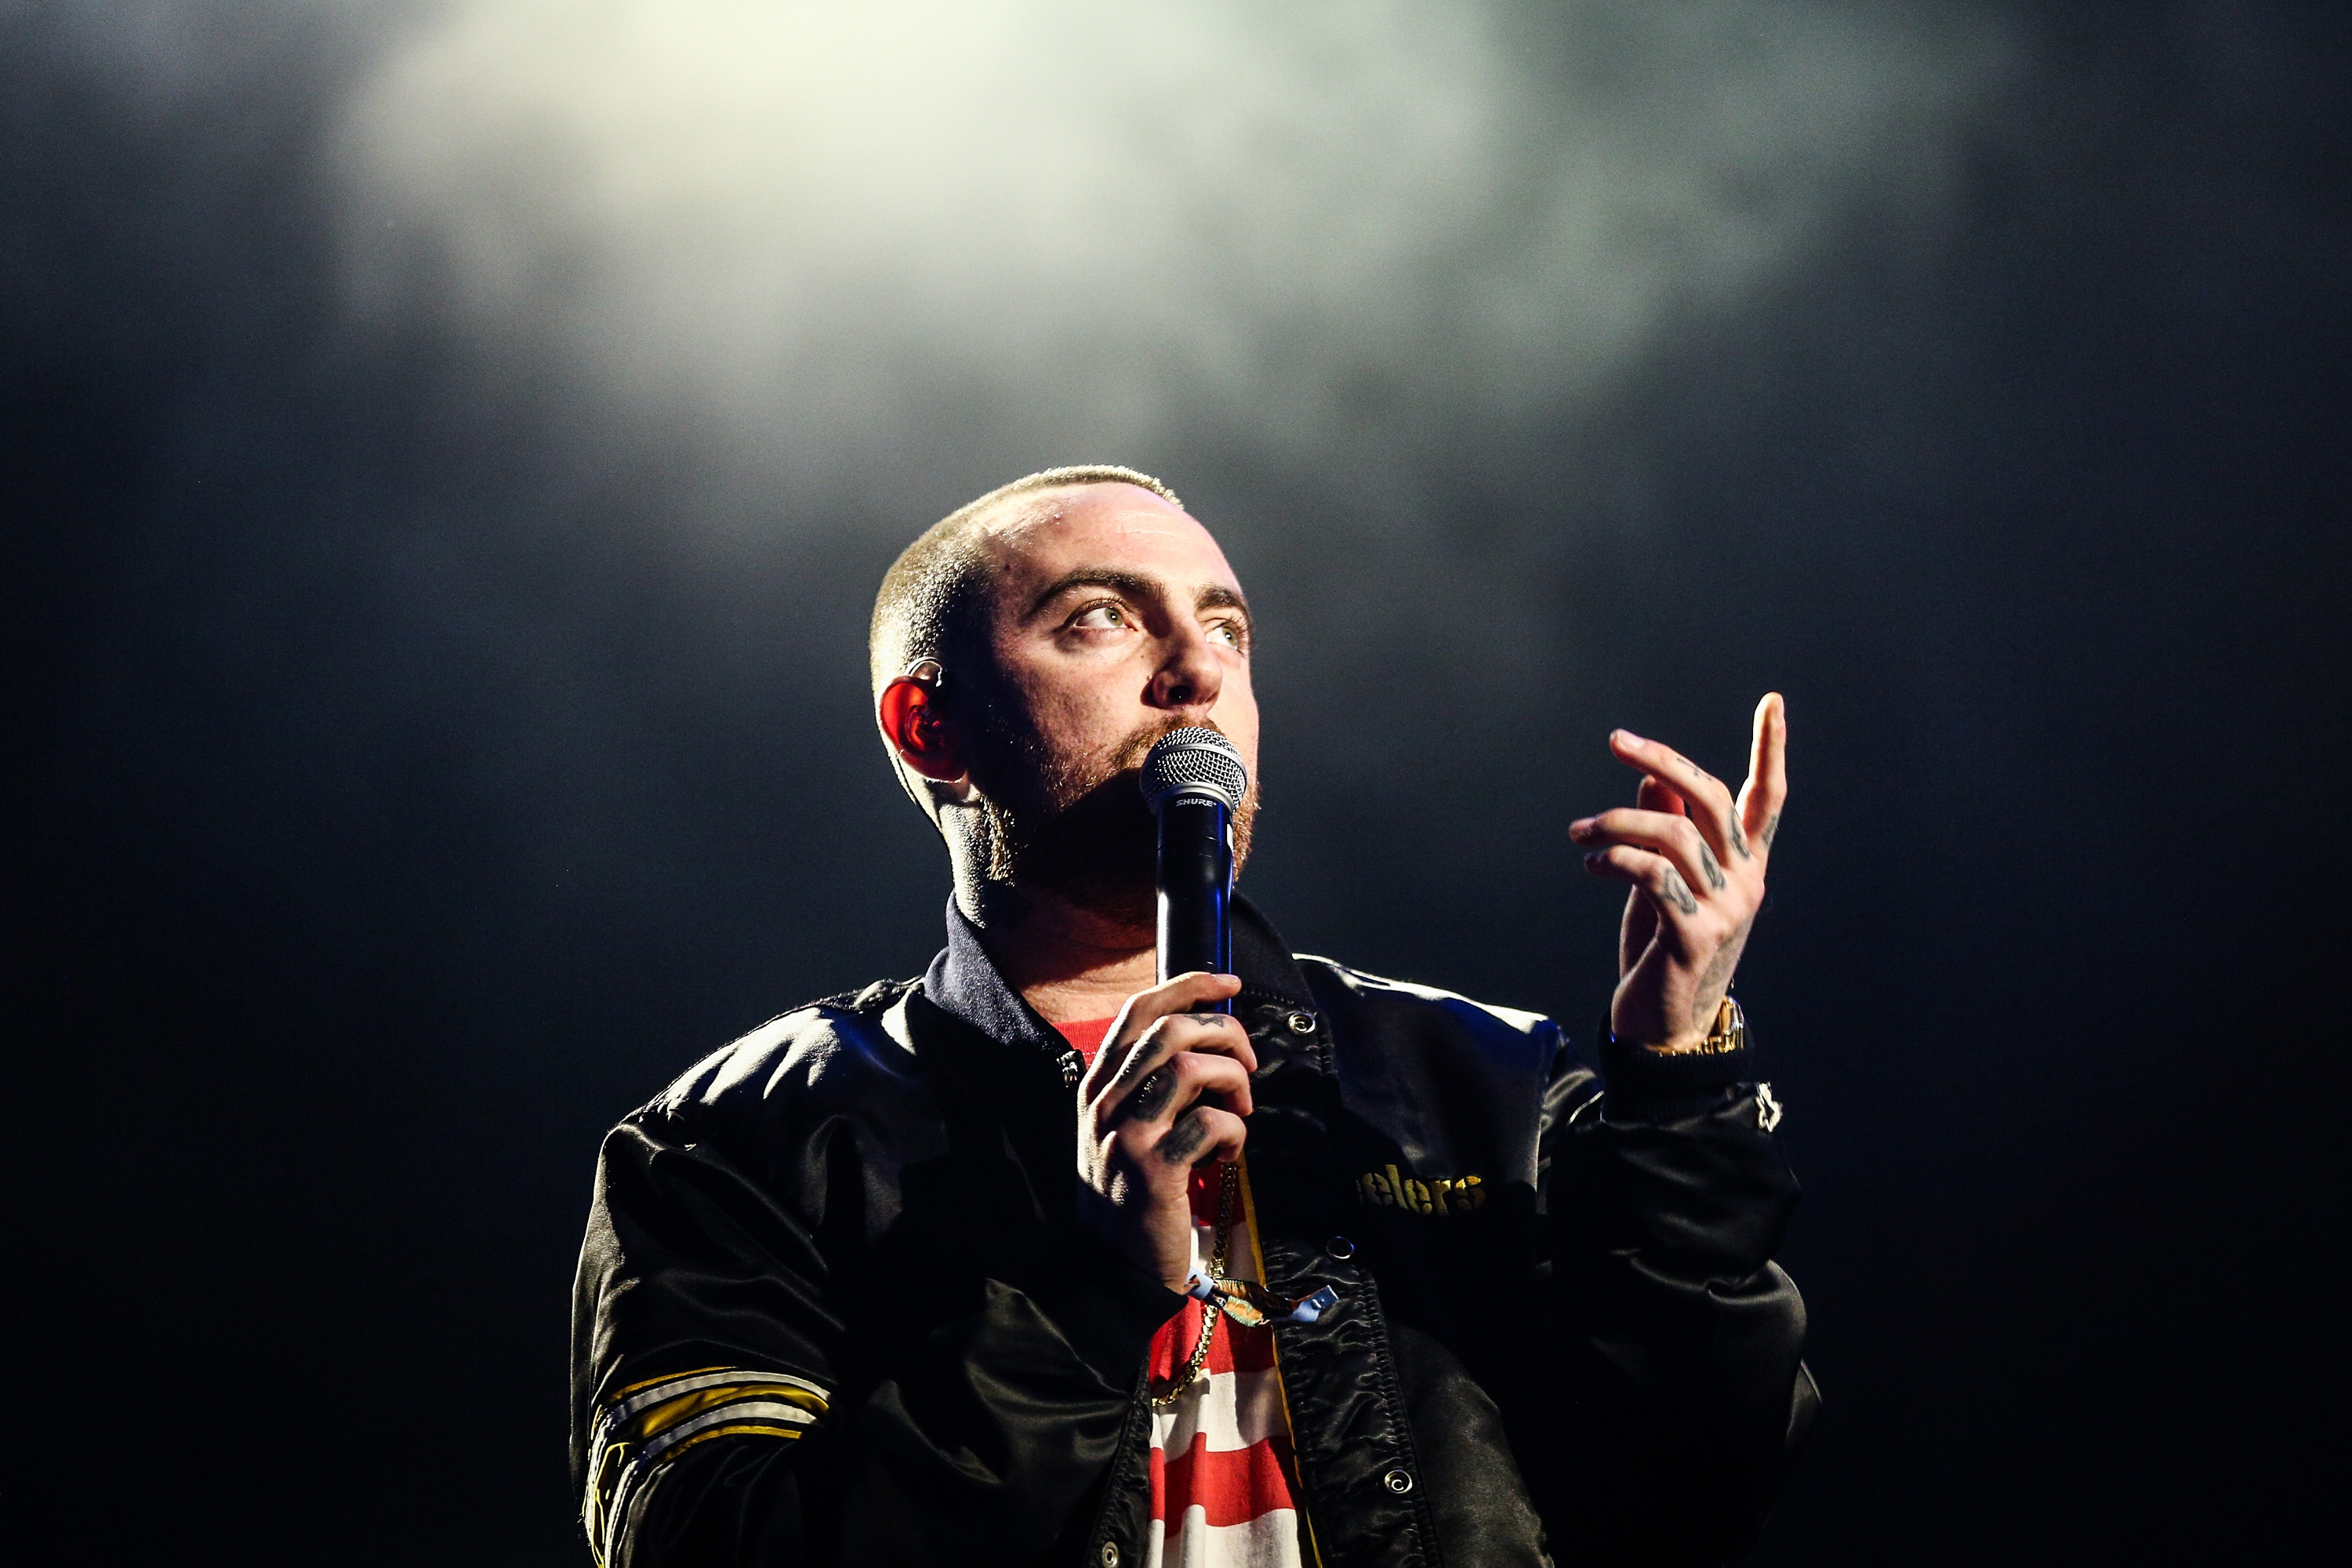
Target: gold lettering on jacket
x=1386, y=1188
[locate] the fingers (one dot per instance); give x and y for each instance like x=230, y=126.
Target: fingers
x=1695, y=859
x=1669, y=896
x=1201, y=1134
x=1640, y=921
x=1165, y=1077
x=1666, y=833
x=1707, y=799
x=1172, y=998
x=1199, y=1116
x=1766, y=789
x=1177, y=993
x=1116, y=1074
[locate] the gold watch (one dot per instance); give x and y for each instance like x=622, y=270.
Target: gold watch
x=1729, y=1033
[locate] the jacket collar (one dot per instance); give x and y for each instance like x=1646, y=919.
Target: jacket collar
x=964, y=982
x=1262, y=959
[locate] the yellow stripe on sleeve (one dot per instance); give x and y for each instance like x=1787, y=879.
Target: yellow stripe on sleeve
x=649, y=1424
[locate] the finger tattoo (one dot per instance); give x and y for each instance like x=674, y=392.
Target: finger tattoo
x=1678, y=893
x=1739, y=842
x=1150, y=1093
x=1706, y=864
x=1184, y=1141
x=1764, y=835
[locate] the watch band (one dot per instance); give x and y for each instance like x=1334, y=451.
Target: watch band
x=1729, y=1033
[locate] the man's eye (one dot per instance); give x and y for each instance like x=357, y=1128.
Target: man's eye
x=1099, y=617
x=1229, y=633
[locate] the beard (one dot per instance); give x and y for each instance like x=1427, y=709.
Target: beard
x=1075, y=824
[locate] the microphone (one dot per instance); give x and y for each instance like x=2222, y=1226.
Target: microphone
x=1194, y=781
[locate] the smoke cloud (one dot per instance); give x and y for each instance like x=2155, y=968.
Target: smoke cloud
x=850, y=250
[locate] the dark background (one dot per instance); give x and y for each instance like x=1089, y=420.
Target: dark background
x=390, y=806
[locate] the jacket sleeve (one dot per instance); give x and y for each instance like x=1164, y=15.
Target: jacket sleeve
x=1681, y=1340
x=724, y=1414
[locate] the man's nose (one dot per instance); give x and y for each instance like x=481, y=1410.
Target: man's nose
x=1189, y=675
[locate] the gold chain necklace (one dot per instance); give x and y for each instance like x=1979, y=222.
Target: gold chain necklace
x=1214, y=1307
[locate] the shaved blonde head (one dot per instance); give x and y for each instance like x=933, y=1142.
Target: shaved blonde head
x=928, y=597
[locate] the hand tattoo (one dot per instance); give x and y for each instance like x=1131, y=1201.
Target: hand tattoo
x=1678, y=893
x=1184, y=1139
x=1739, y=842
x=1706, y=864
x=1717, y=979
x=1771, y=826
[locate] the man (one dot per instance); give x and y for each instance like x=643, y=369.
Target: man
x=1027, y=1262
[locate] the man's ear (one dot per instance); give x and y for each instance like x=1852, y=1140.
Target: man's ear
x=911, y=722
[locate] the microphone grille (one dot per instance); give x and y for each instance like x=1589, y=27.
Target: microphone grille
x=1196, y=760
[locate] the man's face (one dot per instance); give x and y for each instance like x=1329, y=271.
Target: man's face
x=1114, y=619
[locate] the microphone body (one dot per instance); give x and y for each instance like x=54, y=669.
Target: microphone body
x=1196, y=881
x=1194, y=781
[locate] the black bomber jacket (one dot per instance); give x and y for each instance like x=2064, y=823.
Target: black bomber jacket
x=833, y=1306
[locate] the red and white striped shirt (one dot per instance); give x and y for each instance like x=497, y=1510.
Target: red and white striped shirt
x=1222, y=1465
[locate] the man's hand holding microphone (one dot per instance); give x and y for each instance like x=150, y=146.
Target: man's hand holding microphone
x=1166, y=1093
x=1168, y=1090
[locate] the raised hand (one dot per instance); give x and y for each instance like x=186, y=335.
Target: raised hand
x=1696, y=860
x=1167, y=1092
